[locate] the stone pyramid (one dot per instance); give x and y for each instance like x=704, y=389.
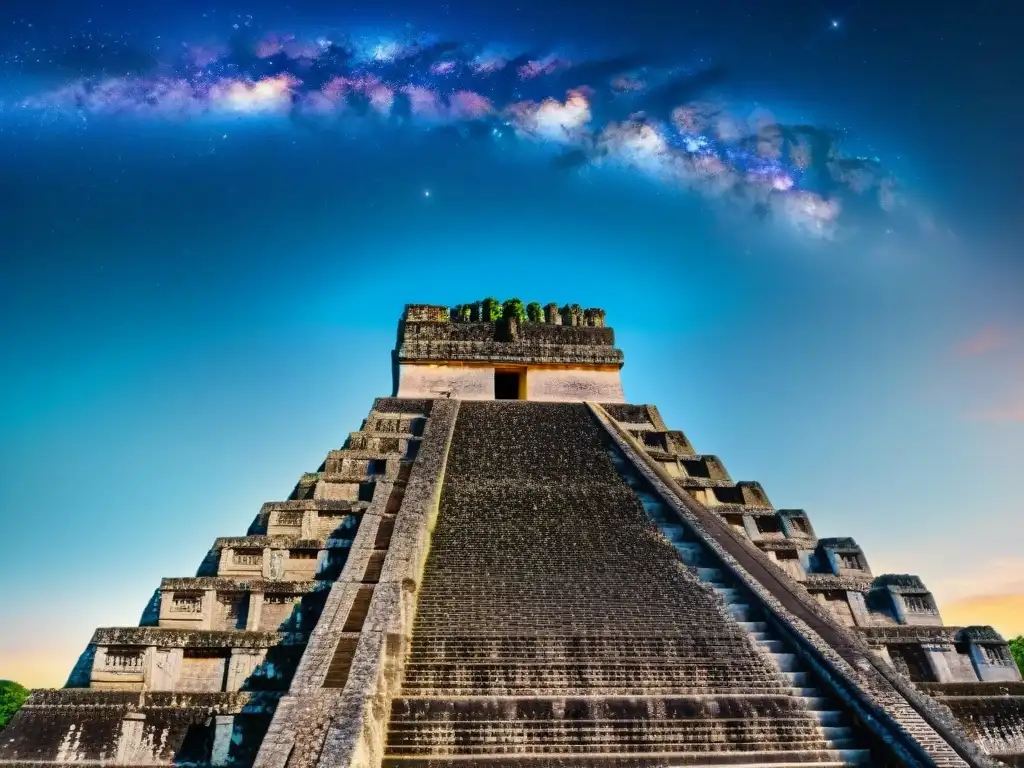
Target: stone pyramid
x=508, y=565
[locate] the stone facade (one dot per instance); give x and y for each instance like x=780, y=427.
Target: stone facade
x=567, y=356
x=562, y=582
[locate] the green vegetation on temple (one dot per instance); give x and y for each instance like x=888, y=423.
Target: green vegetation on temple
x=1017, y=649
x=490, y=310
x=12, y=696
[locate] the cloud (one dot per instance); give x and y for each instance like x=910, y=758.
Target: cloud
x=467, y=105
x=1004, y=612
x=540, y=67
x=988, y=339
x=551, y=119
x=653, y=118
x=271, y=94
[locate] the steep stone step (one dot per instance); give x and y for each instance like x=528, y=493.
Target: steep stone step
x=816, y=703
x=569, y=748
x=829, y=717
x=440, y=739
x=786, y=662
x=787, y=759
x=643, y=689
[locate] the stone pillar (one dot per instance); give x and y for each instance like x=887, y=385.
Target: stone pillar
x=859, y=609
x=223, y=729
x=806, y=558
x=322, y=561
x=252, y=618
x=833, y=561
x=241, y=664
x=309, y=524
x=936, y=657
x=129, y=740
x=750, y=526
x=552, y=315
x=209, y=608
x=162, y=668
x=572, y=315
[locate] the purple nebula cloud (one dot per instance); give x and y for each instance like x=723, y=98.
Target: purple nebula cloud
x=661, y=122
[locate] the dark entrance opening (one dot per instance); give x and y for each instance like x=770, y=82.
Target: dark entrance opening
x=506, y=385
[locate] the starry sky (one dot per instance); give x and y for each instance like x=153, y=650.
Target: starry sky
x=802, y=217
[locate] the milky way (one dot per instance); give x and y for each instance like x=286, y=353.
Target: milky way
x=662, y=121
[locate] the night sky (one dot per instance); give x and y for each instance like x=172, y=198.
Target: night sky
x=804, y=219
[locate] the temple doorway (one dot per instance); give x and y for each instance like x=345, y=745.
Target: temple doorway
x=508, y=385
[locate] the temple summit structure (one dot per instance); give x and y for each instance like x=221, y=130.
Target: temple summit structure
x=509, y=566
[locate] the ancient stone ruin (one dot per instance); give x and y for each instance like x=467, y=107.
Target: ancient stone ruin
x=510, y=566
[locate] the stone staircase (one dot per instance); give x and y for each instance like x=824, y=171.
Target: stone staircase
x=832, y=722
x=539, y=641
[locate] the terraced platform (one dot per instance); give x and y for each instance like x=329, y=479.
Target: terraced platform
x=558, y=624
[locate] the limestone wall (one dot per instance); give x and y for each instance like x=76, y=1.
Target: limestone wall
x=477, y=383
x=442, y=381
x=75, y=727
x=574, y=385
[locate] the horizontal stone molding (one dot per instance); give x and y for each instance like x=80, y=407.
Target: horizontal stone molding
x=507, y=352
x=162, y=637
x=222, y=584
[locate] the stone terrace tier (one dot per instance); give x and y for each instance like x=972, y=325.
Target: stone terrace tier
x=992, y=713
x=197, y=683
x=555, y=621
x=895, y=614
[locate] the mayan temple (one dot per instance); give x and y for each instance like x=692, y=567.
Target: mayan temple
x=508, y=565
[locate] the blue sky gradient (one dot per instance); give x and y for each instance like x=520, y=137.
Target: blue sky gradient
x=191, y=321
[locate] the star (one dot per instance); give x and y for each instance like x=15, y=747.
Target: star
x=835, y=24
x=426, y=193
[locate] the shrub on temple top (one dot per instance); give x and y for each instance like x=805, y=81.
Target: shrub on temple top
x=464, y=312
x=534, y=313
x=491, y=310
x=1017, y=649
x=513, y=310
x=572, y=314
x=12, y=696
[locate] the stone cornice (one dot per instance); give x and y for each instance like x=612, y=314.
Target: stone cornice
x=507, y=352
x=163, y=637
x=224, y=584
